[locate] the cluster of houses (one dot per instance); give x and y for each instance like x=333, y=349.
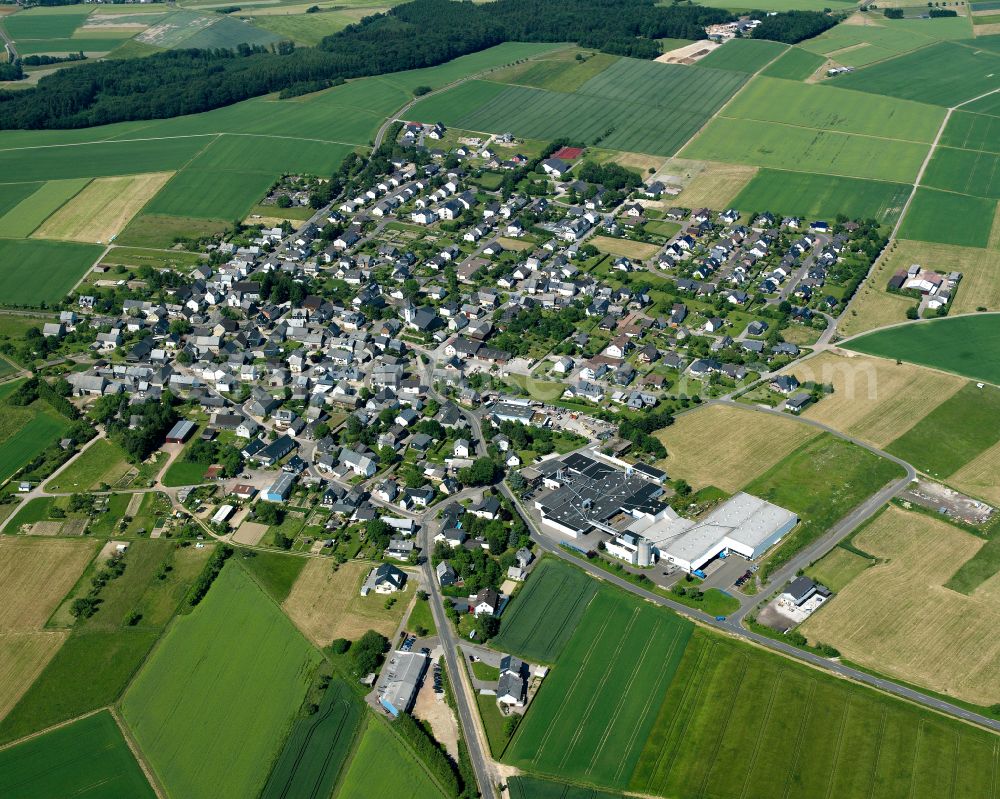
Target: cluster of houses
x=935, y=289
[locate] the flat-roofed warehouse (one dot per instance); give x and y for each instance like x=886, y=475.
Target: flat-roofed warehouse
x=744, y=524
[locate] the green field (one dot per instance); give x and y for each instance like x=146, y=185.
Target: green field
x=304, y=28
x=102, y=462
x=945, y=73
x=592, y=715
x=822, y=196
x=317, y=748
x=837, y=568
x=743, y=55
x=191, y=697
x=949, y=218
x=164, y=259
x=559, y=74
x=783, y=5
x=742, y=723
x=546, y=611
x=969, y=416
x=971, y=131
x=383, y=766
x=228, y=32
x=275, y=572
x=780, y=146
x=26, y=432
x=977, y=569
x=28, y=214
x=965, y=171
x=636, y=106
x=88, y=759
x=159, y=231
x=210, y=194
x=33, y=271
x=821, y=481
x=535, y=788
x=13, y=193
x=795, y=64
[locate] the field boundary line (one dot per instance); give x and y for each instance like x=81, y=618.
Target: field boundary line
x=830, y=130
x=51, y=728
x=803, y=722
x=133, y=746
x=763, y=726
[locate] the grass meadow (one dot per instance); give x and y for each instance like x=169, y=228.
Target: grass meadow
x=191, y=696
x=969, y=416
x=102, y=462
x=275, y=572
x=384, y=766
x=742, y=723
x=545, y=612
x=965, y=345
x=592, y=715
x=837, y=568
x=88, y=759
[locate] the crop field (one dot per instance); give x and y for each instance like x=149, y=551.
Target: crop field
x=754, y=443
x=591, y=718
x=88, y=759
x=23, y=656
x=965, y=171
x=781, y=146
x=101, y=211
x=636, y=250
x=305, y=28
x=210, y=194
x=176, y=28
x=34, y=434
x=318, y=747
x=35, y=271
x=13, y=193
x=534, y=788
x=897, y=617
x=327, y=604
x=711, y=184
x=837, y=568
x=384, y=766
x=969, y=416
x=980, y=477
x=191, y=695
x=636, y=106
x=743, y=55
x=972, y=131
x=555, y=71
x=966, y=345
x=794, y=64
x=945, y=73
x=822, y=481
x=228, y=32
x=874, y=399
x=822, y=196
x=948, y=218
x=739, y=722
x=545, y=613
x=28, y=214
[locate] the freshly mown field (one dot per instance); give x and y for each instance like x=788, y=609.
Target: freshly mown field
x=593, y=713
x=28, y=214
x=191, y=695
x=103, y=208
x=794, y=64
x=743, y=55
x=969, y=416
x=327, y=604
x=742, y=723
x=317, y=748
x=837, y=568
x=822, y=196
x=821, y=481
x=966, y=345
x=636, y=106
x=754, y=443
x=945, y=73
x=899, y=618
x=636, y=250
x=949, y=218
x=980, y=477
x=88, y=758
x=545, y=613
x=384, y=766
x=873, y=399
x=35, y=271
x=713, y=185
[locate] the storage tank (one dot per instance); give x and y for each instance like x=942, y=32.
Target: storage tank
x=645, y=552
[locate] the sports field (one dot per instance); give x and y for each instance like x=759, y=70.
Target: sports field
x=944, y=73
x=545, y=612
x=384, y=766
x=636, y=106
x=743, y=55
x=191, y=695
x=593, y=713
x=88, y=759
x=873, y=399
x=742, y=723
x=794, y=64
x=754, y=443
x=822, y=196
x=898, y=618
x=28, y=214
x=318, y=747
x=966, y=345
x=327, y=604
x=969, y=416
x=101, y=211
x=35, y=271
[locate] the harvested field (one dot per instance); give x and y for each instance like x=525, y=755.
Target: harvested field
x=635, y=250
x=327, y=604
x=101, y=211
x=874, y=399
x=35, y=576
x=898, y=618
x=716, y=185
x=22, y=658
x=753, y=443
x=980, y=477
